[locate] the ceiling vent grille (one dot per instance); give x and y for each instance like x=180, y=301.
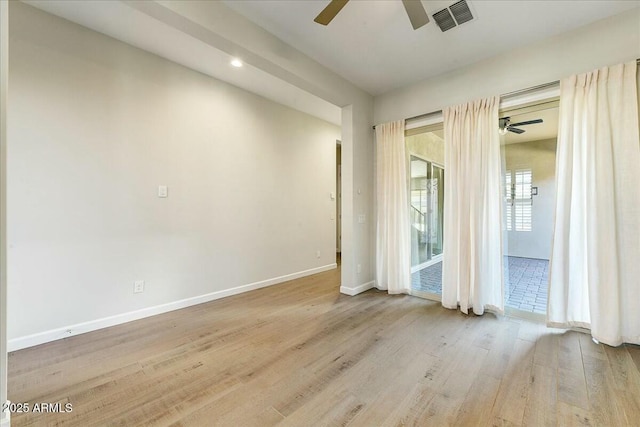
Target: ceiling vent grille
x=456, y=14
x=461, y=12
x=444, y=20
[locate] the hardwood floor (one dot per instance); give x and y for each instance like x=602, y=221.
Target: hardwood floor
x=301, y=354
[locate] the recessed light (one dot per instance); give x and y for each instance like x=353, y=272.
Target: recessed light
x=236, y=63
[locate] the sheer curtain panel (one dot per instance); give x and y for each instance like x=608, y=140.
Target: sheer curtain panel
x=594, y=280
x=472, y=270
x=393, y=243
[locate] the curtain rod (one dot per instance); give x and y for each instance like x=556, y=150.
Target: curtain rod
x=515, y=92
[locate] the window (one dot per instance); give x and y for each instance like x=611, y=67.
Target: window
x=518, y=200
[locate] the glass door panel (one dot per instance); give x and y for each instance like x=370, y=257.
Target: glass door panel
x=427, y=210
x=437, y=209
x=420, y=199
x=426, y=154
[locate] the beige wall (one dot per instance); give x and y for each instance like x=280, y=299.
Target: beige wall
x=540, y=157
x=358, y=243
x=264, y=50
x=94, y=127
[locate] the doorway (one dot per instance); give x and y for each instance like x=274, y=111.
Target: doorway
x=425, y=150
x=528, y=150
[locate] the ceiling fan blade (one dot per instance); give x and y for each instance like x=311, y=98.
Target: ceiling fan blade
x=515, y=130
x=529, y=122
x=330, y=12
x=417, y=15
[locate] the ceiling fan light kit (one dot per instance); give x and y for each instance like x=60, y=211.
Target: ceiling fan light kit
x=447, y=18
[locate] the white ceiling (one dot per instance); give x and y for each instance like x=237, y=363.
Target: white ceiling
x=123, y=21
x=371, y=42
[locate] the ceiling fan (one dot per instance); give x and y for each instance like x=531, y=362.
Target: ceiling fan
x=507, y=126
x=417, y=15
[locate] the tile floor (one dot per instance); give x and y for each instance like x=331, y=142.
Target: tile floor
x=527, y=280
x=428, y=279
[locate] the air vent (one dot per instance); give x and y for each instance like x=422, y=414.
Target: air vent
x=461, y=12
x=444, y=20
x=445, y=17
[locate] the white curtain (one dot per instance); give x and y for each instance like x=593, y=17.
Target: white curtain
x=472, y=271
x=594, y=278
x=393, y=243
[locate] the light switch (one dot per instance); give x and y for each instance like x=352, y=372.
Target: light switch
x=163, y=191
x=332, y=195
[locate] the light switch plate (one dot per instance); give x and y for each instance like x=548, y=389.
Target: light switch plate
x=163, y=191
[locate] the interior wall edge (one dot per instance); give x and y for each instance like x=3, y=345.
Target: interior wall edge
x=358, y=289
x=4, y=70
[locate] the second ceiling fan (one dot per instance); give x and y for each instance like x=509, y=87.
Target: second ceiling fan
x=507, y=126
x=417, y=15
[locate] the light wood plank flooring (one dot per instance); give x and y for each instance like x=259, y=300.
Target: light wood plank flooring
x=301, y=354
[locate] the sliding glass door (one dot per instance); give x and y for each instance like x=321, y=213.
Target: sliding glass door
x=425, y=160
x=528, y=159
x=427, y=200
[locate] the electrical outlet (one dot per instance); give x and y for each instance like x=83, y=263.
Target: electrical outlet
x=163, y=191
x=317, y=254
x=359, y=268
x=138, y=286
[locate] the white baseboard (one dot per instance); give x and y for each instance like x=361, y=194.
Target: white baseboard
x=358, y=289
x=92, y=325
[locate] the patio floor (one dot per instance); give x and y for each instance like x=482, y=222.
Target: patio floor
x=527, y=280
